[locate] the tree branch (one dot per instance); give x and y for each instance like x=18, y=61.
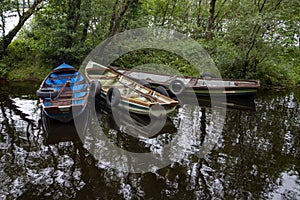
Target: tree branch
x=116, y=20
x=165, y=13
x=210, y=22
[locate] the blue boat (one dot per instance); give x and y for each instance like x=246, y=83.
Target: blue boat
x=64, y=93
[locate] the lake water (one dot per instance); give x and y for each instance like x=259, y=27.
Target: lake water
x=254, y=155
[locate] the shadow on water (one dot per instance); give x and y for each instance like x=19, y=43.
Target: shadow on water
x=255, y=156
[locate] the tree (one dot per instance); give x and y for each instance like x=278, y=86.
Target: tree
x=60, y=31
x=246, y=39
x=24, y=11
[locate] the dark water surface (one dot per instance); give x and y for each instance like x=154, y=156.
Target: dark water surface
x=256, y=156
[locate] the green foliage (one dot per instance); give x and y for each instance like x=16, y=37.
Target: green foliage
x=23, y=62
x=28, y=73
x=158, y=60
x=250, y=39
x=57, y=37
x=282, y=69
x=3, y=71
x=223, y=54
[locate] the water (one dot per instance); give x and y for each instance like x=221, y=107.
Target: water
x=255, y=156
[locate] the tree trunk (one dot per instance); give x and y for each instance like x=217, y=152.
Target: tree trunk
x=199, y=18
x=117, y=18
x=86, y=17
x=73, y=18
x=210, y=22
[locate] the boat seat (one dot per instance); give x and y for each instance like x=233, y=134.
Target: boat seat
x=131, y=95
x=66, y=94
x=106, y=87
x=108, y=83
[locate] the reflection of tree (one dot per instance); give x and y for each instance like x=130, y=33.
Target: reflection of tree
x=253, y=153
x=16, y=131
x=255, y=149
x=186, y=178
x=203, y=124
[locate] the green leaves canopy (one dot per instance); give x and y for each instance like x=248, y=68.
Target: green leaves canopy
x=257, y=39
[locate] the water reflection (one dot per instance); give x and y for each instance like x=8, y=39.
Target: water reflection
x=256, y=155
x=55, y=131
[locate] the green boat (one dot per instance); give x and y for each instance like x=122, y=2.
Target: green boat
x=122, y=92
x=207, y=85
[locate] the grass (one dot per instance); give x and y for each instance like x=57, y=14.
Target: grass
x=30, y=73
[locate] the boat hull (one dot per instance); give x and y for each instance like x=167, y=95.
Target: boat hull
x=139, y=108
x=211, y=91
x=133, y=96
x=198, y=86
x=64, y=93
x=63, y=113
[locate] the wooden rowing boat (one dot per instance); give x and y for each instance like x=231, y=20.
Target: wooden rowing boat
x=64, y=93
x=121, y=91
x=176, y=85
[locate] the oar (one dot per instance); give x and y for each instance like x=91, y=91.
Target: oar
x=150, y=97
x=62, y=88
